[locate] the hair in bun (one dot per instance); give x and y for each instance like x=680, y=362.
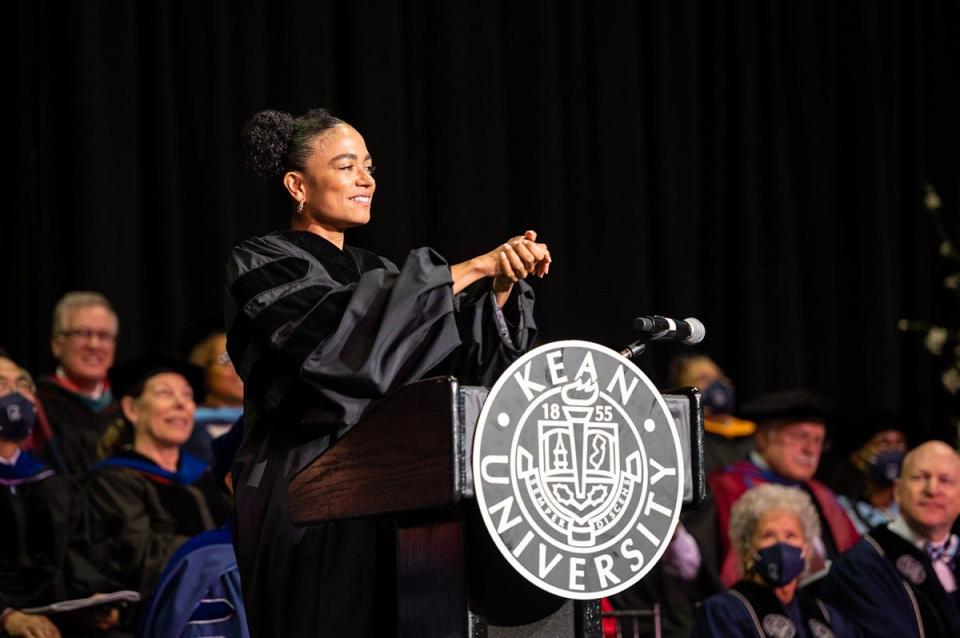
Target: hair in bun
x=275, y=142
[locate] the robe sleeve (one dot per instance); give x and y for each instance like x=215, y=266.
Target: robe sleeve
x=491, y=338
x=124, y=531
x=355, y=342
x=865, y=587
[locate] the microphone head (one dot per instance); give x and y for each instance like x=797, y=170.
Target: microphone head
x=697, y=331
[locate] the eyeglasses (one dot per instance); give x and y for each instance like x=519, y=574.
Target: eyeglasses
x=86, y=334
x=803, y=438
x=20, y=384
x=222, y=359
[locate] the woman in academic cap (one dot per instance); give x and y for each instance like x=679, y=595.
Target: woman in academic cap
x=771, y=527
x=147, y=496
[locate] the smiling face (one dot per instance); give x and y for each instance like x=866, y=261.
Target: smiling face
x=84, y=346
x=337, y=185
x=928, y=490
x=162, y=415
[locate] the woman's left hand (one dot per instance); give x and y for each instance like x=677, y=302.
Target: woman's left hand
x=526, y=257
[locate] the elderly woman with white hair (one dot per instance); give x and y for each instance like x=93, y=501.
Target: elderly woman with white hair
x=771, y=527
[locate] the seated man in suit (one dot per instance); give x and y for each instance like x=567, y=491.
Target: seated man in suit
x=790, y=438
x=901, y=579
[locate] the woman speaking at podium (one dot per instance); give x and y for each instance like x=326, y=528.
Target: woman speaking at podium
x=320, y=331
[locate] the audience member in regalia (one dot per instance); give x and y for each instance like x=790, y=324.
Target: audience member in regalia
x=77, y=398
x=727, y=438
x=198, y=594
x=147, y=497
x=34, y=510
x=770, y=529
x=34, y=507
x=790, y=439
x=870, y=451
x=902, y=578
x=223, y=393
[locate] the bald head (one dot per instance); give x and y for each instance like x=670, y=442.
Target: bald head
x=928, y=490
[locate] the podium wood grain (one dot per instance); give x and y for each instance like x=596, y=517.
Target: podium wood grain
x=400, y=458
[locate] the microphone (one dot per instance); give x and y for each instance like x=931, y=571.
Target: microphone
x=689, y=331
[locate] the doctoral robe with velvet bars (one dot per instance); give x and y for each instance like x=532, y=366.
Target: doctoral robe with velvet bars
x=320, y=335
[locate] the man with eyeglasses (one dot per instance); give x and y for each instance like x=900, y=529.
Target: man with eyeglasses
x=791, y=434
x=77, y=398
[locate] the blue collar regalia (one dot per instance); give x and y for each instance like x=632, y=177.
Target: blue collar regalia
x=189, y=468
x=27, y=469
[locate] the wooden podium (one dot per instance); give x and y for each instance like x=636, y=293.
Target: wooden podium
x=409, y=462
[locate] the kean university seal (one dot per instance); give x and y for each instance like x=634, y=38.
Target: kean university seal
x=578, y=470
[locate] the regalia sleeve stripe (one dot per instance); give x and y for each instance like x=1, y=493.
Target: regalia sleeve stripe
x=300, y=306
x=319, y=324
x=254, y=283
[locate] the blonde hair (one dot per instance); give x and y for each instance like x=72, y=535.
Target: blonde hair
x=202, y=353
x=78, y=299
x=118, y=435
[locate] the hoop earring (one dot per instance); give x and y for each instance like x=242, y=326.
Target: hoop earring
x=300, y=208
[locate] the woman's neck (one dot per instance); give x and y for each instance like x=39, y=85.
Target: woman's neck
x=332, y=235
x=166, y=457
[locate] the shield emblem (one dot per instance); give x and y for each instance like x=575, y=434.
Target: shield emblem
x=579, y=470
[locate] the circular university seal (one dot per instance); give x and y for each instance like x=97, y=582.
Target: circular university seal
x=577, y=469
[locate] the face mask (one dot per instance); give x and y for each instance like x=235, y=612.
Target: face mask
x=885, y=467
x=719, y=397
x=779, y=564
x=17, y=416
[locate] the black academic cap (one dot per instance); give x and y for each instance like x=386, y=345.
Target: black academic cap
x=860, y=425
x=128, y=377
x=788, y=405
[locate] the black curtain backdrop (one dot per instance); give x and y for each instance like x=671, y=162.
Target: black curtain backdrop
x=756, y=164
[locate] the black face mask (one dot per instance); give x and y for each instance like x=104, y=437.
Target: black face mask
x=720, y=397
x=884, y=468
x=17, y=416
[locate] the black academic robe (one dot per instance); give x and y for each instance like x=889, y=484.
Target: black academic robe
x=131, y=516
x=888, y=587
x=319, y=336
x=77, y=428
x=34, y=511
x=751, y=610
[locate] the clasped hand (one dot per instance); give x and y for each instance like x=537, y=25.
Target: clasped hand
x=516, y=259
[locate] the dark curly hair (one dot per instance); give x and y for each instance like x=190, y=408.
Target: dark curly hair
x=275, y=142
